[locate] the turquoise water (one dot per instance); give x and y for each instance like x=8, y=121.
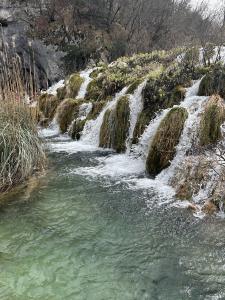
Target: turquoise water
x=76, y=237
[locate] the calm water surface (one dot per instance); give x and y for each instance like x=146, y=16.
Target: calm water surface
x=95, y=239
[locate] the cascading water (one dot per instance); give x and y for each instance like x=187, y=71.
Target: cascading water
x=90, y=134
x=194, y=105
x=53, y=89
x=85, y=75
x=141, y=149
x=136, y=106
x=51, y=131
x=131, y=165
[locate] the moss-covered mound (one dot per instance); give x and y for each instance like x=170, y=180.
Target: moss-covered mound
x=164, y=90
x=213, y=82
x=47, y=105
x=163, y=147
x=122, y=115
x=96, y=109
x=115, y=127
x=73, y=85
x=61, y=93
x=211, y=121
x=107, y=132
x=67, y=111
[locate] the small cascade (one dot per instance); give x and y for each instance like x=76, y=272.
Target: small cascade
x=91, y=131
x=53, y=89
x=87, y=79
x=136, y=107
x=74, y=128
x=51, y=131
x=141, y=149
x=194, y=105
x=84, y=110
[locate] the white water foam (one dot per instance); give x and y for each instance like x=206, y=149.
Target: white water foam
x=51, y=131
x=53, y=89
x=136, y=107
x=71, y=147
x=87, y=79
x=91, y=131
x=141, y=149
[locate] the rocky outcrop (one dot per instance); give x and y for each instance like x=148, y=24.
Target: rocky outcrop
x=42, y=61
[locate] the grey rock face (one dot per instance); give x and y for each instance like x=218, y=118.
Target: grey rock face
x=44, y=61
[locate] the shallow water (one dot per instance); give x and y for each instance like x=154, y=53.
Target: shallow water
x=83, y=235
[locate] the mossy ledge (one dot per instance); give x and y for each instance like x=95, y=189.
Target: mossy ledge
x=47, y=105
x=211, y=121
x=161, y=93
x=163, y=147
x=67, y=111
x=115, y=127
x=213, y=82
x=73, y=86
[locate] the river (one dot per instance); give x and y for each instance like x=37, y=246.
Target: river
x=82, y=234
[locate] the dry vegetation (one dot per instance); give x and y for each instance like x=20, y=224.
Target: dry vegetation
x=21, y=151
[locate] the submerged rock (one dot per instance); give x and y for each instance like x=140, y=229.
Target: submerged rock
x=163, y=147
x=211, y=121
x=209, y=208
x=76, y=128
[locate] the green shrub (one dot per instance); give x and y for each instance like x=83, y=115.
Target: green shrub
x=21, y=151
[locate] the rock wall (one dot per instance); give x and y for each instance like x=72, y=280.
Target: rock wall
x=44, y=61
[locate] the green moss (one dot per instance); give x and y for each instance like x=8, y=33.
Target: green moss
x=213, y=82
x=73, y=85
x=107, y=132
x=163, y=147
x=122, y=117
x=115, y=127
x=211, y=121
x=134, y=86
x=96, y=109
x=47, y=105
x=94, y=90
x=67, y=111
x=76, y=129
x=143, y=120
x=61, y=93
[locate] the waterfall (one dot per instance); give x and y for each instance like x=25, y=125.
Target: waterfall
x=92, y=128
x=136, y=107
x=194, y=105
x=84, y=110
x=85, y=75
x=53, y=89
x=141, y=149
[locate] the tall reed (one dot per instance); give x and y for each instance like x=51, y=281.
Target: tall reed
x=21, y=150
